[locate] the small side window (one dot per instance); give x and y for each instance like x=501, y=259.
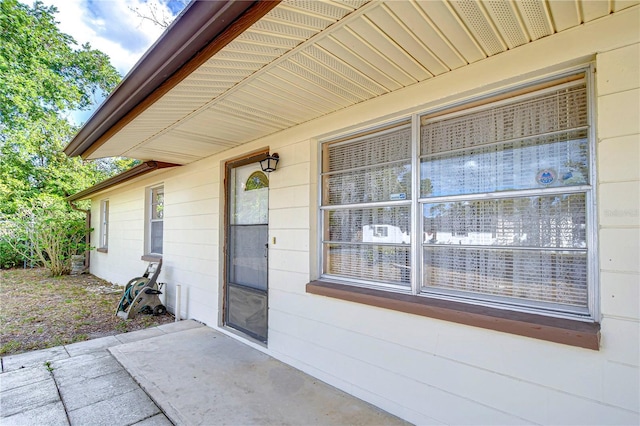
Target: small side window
x=155, y=218
x=104, y=225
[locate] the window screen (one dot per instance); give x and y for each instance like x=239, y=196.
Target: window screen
x=366, y=207
x=499, y=197
x=517, y=227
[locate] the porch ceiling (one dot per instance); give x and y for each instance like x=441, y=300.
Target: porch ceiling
x=306, y=59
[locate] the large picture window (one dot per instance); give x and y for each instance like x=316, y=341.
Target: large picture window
x=501, y=206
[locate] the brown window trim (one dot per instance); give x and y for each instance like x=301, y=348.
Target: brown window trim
x=102, y=250
x=151, y=257
x=558, y=330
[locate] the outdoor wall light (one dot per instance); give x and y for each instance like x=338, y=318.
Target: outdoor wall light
x=270, y=163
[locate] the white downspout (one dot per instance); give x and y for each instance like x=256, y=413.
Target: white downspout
x=178, y=295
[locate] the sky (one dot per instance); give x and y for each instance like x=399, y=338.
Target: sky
x=113, y=28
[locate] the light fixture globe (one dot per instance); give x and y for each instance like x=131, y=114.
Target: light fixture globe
x=270, y=163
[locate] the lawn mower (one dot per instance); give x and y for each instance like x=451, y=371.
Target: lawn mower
x=141, y=294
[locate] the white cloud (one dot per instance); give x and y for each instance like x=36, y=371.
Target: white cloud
x=110, y=26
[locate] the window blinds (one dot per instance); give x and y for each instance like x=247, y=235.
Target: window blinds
x=530, y=245
x=366, y=211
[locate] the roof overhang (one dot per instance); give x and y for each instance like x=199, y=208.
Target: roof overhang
x=229, y=73
x=124, y=177
x=184, y=46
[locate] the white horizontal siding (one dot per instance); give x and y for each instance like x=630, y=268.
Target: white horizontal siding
x=618, y=86
x=384, y=387
x=424, y=370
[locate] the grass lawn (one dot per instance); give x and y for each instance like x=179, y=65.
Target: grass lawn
x=38, y=311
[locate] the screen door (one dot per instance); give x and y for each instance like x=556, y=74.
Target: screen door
x=247, y=250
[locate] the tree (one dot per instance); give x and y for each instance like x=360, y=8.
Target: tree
x=159, y=13
x=44, y=75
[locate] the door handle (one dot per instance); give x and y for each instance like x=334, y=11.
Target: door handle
x=266, y=250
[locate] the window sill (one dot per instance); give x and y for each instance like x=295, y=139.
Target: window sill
x=102, y=250
x=568, y=332
x=151, y=257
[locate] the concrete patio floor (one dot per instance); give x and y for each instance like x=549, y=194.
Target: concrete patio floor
x=182, y=373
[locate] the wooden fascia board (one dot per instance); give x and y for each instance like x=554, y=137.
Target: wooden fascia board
x=134, y=172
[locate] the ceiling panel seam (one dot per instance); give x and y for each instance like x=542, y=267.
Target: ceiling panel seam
x=416, y=38
x=595, y=9
x=389, y=83
x=400, y=50
x=237, y=56
x=273, y=26
x=182, y=134
x=344, y=6
x=244, y=47
x=164, y=155
x=480, y=26
x=320, y=90
x=272, y=91
x=493, y=26
x=507, y=22
x=521, y=22
x=261, y=117
x=547, y=15
x=250, y=37
x=226, y=72
x=382, y=56
x=266, y=33
x=278, y=20
x=288, y=87
x=271, y=103
x=465, y=28
x=437, y=30
x=339, y=79
x=258, y=125
x=297, y=8
x=225, y=131
x=233, y=64
x=348, y=66
x=532, y=18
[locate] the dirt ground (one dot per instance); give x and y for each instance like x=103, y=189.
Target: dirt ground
x=38, y=311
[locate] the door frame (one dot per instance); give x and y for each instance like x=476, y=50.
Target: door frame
x=244, y=160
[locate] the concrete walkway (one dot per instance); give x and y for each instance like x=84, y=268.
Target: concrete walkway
x=182, y=373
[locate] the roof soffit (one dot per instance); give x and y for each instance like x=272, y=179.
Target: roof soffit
x=185, y=43
x=303, y=60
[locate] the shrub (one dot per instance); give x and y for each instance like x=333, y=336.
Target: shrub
x=52, y=232
x=10, y=257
